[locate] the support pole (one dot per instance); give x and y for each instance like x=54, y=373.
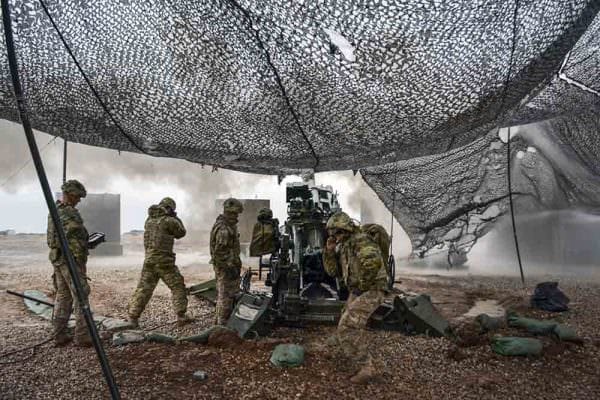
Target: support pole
x=391, y=261
x=392, y=213
x=65, y=161
x=512, y=208
x=39, y=167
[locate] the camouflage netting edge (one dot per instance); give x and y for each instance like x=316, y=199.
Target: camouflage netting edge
x=454, y=197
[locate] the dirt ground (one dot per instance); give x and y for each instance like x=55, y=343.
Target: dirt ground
x=413, y=367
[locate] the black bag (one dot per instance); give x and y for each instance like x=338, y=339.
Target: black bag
x=548, y=297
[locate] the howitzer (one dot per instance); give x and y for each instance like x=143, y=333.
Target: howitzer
x=301, y=291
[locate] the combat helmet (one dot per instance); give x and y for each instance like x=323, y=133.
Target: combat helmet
x=340, y=220
x=74, y=187
x=168, y=202
x=232, y=205
x=265, y=214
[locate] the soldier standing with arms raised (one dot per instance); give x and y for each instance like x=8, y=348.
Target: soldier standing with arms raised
x=356, y=258
x=161, y=229
x=77, y=237
x=225, y=257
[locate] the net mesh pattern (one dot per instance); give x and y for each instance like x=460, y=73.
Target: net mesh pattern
x=454, y=197
x=393, y=88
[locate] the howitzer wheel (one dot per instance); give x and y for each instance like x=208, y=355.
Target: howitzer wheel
x=391, y=271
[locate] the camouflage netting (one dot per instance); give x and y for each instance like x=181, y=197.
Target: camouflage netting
x=397, y=88
x=454, y=197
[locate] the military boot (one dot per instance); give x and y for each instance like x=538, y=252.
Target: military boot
x=366, y=374
x=82, y=337
x=183, y=319
x=60, y=332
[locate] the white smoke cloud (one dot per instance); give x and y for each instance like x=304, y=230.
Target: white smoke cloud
x=143, y=180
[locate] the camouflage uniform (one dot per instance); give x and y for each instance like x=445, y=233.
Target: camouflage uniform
x=359, y=263
x=380, y=237
x=161, y=229
x=225, y=257
x=77, y=238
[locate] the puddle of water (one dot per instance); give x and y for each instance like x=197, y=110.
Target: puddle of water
x=489, y=307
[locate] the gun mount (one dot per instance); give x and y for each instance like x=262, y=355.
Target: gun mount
x=301, y=291
x=309, y=208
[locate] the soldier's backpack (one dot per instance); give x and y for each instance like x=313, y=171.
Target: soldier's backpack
x=265, y=234
x=379, y=236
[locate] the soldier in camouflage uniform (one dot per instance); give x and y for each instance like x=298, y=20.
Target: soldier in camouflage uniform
x=225, y=254
x=77, y=238
x=161, y=229
x=353, y=256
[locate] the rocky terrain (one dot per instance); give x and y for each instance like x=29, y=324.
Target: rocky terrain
x=414, y=367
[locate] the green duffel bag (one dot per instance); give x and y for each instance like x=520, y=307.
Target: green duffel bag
x=516, y=346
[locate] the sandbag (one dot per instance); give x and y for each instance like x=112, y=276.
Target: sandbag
x=287, y=355
x=565, y=333
x=157, y=337
x=126, y=337
x=535, y=326
x=516, y=346
x=488, y=323
x=543, y=327
x=548, y=297
x=203, y=336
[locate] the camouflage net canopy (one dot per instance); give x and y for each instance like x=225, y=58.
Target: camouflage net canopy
x=452, y=198
x=410, y=92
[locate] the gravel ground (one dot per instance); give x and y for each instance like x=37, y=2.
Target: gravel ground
x=413, y=367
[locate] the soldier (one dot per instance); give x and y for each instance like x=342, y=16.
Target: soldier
x=161, y=228
x=77, y=237
x=225, y=253
x=356, y=258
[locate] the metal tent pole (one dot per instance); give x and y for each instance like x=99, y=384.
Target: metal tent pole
x=35, y=155
x=65, y=161
x=512, y=208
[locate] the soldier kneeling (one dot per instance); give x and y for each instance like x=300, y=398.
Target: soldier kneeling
x=356, y=258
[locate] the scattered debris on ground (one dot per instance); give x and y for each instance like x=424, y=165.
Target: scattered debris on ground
x=415, y=367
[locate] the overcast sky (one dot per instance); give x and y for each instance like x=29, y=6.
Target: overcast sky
x=143, y=180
